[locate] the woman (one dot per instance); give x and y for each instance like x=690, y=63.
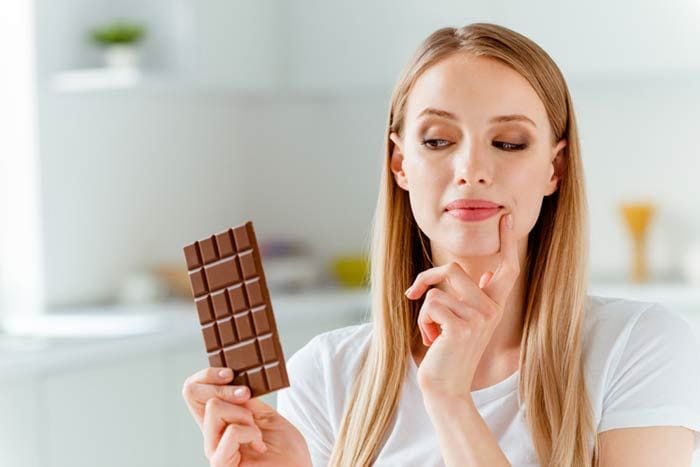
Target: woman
x=495, y=355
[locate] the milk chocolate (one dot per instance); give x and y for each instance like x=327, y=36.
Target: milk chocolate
x=234, y=309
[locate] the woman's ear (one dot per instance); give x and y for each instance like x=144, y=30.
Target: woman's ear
x=556, y=168
x=396, y=162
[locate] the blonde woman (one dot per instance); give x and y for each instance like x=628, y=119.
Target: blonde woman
x=484, y=348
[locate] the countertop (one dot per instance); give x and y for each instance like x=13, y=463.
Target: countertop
x=102, y=334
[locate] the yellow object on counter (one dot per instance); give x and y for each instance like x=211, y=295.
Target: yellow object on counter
x=351, y=270
x=637, y=217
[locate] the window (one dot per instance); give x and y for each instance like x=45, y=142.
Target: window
x=20, y=245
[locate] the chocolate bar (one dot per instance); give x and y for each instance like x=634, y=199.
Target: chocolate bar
x=235, y=310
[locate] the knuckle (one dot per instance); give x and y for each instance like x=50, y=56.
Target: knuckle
x=201, y=376
x=235, y=431
x=485, y=314
x=487, y=308
x=187, y=389
x=225, y=392
x=211, y=374
x=212, y=405
x=482, y=307
x=247, y=416
x=432, y=294
x=190, y=390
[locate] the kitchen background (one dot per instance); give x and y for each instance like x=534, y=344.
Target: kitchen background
x=224, y=111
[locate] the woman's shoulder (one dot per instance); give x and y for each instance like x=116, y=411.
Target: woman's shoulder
x=335, y=353
x=345, y=340
x=320, y=376
x=641, y=361
x=624, y=340
x=613, y=320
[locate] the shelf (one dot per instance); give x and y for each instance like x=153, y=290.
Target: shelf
x=106, y=80
x=90, y=79
x=677, y=295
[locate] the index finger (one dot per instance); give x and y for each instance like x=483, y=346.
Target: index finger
x=500, y=285
x=462, y=286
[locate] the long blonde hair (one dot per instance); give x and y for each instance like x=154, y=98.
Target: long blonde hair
x=551, y=386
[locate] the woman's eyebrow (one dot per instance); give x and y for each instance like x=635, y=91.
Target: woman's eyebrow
x=438, y=113
x=498, y=119
x=510, y=118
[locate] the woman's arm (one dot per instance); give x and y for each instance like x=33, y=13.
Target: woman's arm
x=464, y=437
x=648, y=446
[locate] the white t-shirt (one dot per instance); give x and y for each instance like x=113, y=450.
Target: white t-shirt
x=642, y=368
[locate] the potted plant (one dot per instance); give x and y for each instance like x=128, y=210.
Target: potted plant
x=119, y=40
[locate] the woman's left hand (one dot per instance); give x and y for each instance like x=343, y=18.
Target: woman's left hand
x=458, y=325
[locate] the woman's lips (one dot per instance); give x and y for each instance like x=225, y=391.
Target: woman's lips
x=473, y=214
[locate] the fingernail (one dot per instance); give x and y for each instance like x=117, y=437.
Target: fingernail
x=408, y=291
x=240, y=392
x=226, y=373
x=509, y=221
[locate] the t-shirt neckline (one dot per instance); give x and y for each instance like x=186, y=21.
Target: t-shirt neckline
x=483, y=395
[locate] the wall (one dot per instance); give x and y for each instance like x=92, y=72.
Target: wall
x=295, y=128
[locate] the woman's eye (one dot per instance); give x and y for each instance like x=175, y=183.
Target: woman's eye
x=442, y=143
x=430, y=143
x=509, y=146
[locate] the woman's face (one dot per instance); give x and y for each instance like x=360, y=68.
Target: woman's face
x=451, y=148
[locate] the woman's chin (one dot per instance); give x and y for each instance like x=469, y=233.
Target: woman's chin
x=466, y=249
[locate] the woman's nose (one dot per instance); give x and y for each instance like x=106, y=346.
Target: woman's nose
x=473, y=166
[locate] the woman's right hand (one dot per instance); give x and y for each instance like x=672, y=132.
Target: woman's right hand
x=239, y=430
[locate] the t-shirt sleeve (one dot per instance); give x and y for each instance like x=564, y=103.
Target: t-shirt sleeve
x=656, y=381
x=303, y=403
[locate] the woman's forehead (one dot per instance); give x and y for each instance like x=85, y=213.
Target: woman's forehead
x=474, y=89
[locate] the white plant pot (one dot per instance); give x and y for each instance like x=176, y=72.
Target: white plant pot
x=121, y=56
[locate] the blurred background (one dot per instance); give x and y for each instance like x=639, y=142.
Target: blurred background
x=132, y=128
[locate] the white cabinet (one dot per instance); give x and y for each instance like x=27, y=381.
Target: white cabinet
x=115, y=414
x=186, y=440
x=118, y=402
x=22, y=425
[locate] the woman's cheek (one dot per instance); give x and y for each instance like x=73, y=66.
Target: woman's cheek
x=526, y=216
